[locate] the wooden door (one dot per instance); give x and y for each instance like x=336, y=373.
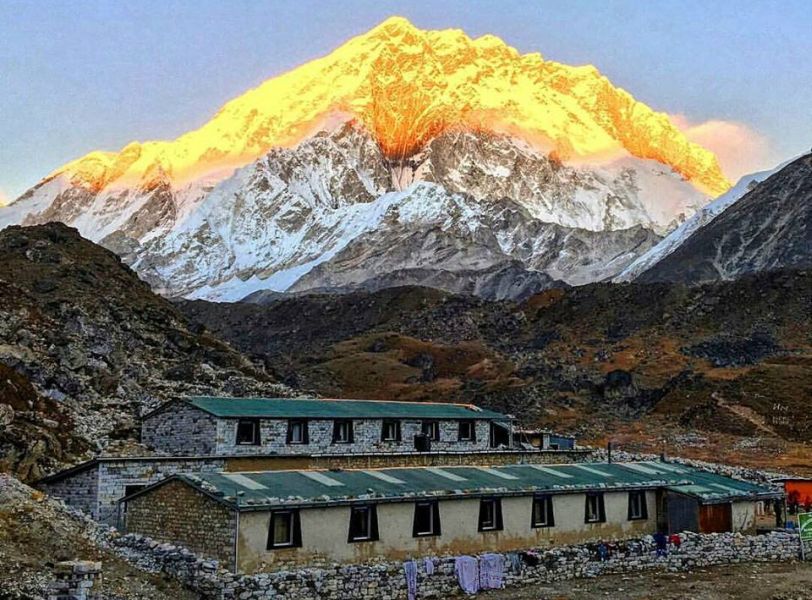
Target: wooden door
x=715, y=518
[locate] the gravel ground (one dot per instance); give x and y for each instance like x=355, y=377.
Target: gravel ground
x=762, y=581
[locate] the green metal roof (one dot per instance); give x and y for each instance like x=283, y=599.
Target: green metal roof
x=292, y=408
x=263, y=490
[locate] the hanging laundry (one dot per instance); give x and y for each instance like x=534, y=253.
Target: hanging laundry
x=491, y=569
x=467, y=571
x=516, y=564
x=429, y=566
x=410, y=571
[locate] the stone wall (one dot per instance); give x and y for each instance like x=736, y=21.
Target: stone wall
x=74, y=580
x=386, y=579
x=180, y=429
x=366, y=434
x=80, y=490
x=178, y=513
x=115, y=476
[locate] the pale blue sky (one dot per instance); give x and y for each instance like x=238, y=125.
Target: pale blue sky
x=96, y=74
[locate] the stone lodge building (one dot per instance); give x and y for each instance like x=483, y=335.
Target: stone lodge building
x=266, y=521
x=236, y=434
x=262, y=426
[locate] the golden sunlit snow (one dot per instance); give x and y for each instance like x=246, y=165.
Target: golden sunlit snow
x=406, y=86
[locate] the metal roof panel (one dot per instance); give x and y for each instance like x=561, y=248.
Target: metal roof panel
x=292, y=408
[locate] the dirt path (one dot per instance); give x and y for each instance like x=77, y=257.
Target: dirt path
x=764, y=581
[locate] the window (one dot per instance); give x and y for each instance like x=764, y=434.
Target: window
x=129, y=490
x=390, y=431
x=297, y=432
x=248, y=432
x=432, y=430
x=637, y=506
x=363, y=523
x=467, y=431
x=426, y=518
x=595, y=512
x=543, y=511
x=490, y=514
x=285, y=530
x=342, y=432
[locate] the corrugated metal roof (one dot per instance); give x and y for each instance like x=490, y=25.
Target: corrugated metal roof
x=274, y=488
x=292, y=408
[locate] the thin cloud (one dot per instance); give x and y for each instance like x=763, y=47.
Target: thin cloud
x=740, y=149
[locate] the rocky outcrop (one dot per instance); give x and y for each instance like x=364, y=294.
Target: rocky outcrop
x=85, y=347
x=768, y=228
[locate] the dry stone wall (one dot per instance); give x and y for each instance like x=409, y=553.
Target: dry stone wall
x=386, y=580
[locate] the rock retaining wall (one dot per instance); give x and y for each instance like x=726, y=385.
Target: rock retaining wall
x=386, y=580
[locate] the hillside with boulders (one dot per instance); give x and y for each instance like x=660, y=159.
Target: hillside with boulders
x=728, y=357
x=86, y=347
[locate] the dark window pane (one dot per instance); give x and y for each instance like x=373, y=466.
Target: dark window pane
x=282, y=529
x=467, y=431
x=488, y=515
x=432, y=430
x=247, y=431
x=390, y=431
x=360, y=523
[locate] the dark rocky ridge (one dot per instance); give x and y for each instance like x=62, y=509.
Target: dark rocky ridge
x=582, y=357
x=85, y=347
x=766, y=229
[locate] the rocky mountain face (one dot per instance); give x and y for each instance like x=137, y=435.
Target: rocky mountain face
x=417, y=152
x=769, y=227
x=718, y=357
x=85, y=347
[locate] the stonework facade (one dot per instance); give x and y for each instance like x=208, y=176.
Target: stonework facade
x=366, y=438
x=175, y=512
x=79, y=488
x=97, y=489
x=182, y=429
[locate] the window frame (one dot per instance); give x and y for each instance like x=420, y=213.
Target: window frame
x=371, y=523
x=643, y=513
x=434, y=512
x=395, y=424
x=547, y=508
x=303, y=424
x=337, y=425
x=470, y=423
x=255, y=423
x=294, y=525
x=599, y=506
x=434, y=426
x=497, y=525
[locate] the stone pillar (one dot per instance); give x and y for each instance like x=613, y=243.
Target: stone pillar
x=74, y=578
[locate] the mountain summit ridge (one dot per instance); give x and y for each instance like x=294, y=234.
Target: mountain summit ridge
x=408, y=85
x=425, y=153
